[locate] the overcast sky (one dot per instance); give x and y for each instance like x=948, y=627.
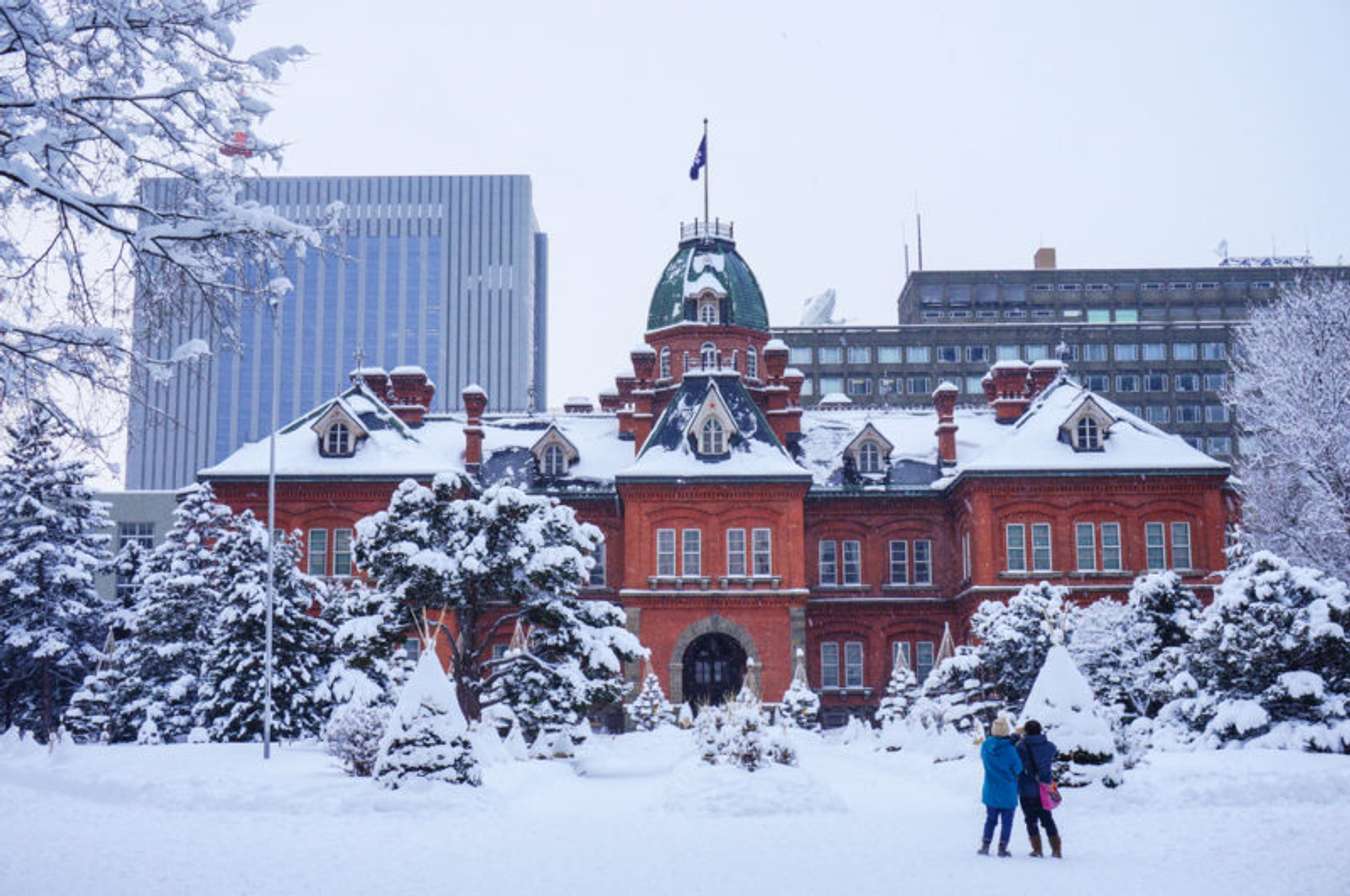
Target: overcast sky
x=1136, y=135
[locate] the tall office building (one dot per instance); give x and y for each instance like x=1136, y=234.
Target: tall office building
x=445, y=273
x=1154, y=340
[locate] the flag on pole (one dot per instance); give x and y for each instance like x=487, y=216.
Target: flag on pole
x=700, y=158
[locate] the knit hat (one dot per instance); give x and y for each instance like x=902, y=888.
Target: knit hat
x=1002, y=727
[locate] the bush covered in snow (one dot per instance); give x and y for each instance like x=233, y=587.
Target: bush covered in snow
x=800, y=705
x=353, y=736
x=1014, y=638
x=957, y=696
x=427, y=736
x=902, y=689
x=1063, y=702
x=738, y=734
x=650, y=709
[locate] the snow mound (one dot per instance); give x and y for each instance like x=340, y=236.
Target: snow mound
x=719, y=790
x=1062, y=701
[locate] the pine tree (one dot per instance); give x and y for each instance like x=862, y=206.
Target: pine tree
x=901, y=691
x=51, y=548
x=1063, y=702
x=427, y=736
x=800, y=705
x=1271, y=659
x=370, y=627
x=1015, y=638
x=958, y=696
x=650, y=709
x=233, y=686
x=178, y=594
x=89, y=716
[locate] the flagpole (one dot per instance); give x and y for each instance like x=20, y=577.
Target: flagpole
x=705, y=174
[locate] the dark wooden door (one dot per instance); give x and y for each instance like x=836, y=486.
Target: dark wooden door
x=714, y=666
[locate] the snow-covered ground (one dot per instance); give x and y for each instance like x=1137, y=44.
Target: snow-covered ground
x=640, y=814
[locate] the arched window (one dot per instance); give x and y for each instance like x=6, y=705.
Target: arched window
x=555, y=462
x=707, y=312
x=708, y=356
x=713, y=438
x=1089, y=435
x=752, y=363
x=338, y=440
x=869, y=458
x=665, y=362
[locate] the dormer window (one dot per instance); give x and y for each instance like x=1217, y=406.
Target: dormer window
x=712, y=438
x=708, y=356
x=555, y=461
x=870, y=451
x=707, y=311
x=554, y=453
x=1088, y=435
x=869, y=458
x=338, y=441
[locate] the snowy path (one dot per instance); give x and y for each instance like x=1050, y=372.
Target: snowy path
x=214, y=819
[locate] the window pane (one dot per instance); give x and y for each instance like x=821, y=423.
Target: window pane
x=1017, y=547
x=859, y=354
x=1008, y=353
x=830, y=355
x=1181, y=545
x=735, y=552
x=1040, y=547
x=888, y=354
x=1127, y=351
x=899, y=562
x=763, y=552
x=693, y=552
x=900, y=653
x=829, y=563
x=853, y=664
x=923, y=562
x=829, y=664
x=923, y=659
x=317, y=564
x=342, y=552
x=1153, y=543
x=597, y=574
x=1094, y=351
x=665, y=552
x=917, y=354
x=1111, y=546
x=852, y=563
x=1087, y=546
x=799, y=356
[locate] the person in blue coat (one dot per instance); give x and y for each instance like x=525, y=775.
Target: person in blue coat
x=1002, y=765
x=1038, y=755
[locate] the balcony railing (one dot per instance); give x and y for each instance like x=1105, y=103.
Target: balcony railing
x=714, y=229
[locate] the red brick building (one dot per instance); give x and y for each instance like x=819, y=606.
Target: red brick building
x=737, y=526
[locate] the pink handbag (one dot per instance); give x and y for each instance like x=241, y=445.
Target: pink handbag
x=1050, y=798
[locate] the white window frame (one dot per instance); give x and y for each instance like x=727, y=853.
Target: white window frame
x=898, y=553
x=966, y=569
x=317, y=551
x=736, y=552
x=1088, y=434
x=664, y=369
x=712, y=437
x=1015, y=548
x=856, y=577
x=691, y=549
x=707, y=356
x=596, y=576
x=854, y=657
x=1180, y=545
x=919, y=652
x=869, y=457
x=707, y=311
x=1112, y=554
x=555, y=460
x=1085, y=550
x=752, y=363
x=901, y=649
x=829, y=664
x=1155, y=549
x=342, y=553
x=761, y=551
x=338, y=439
x=923, y=561
x=830, y=546
x=665, y=553
x=1049, y=564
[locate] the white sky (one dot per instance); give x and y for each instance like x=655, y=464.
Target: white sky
x=1136, y=135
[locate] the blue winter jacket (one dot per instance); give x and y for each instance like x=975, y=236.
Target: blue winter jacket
x=1038, y=752
x=1001, y=768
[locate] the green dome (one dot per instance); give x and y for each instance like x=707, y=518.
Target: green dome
x=707, y=261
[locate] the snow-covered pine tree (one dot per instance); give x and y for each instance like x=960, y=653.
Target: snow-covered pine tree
x=800, y=705
x=368, y=637
x=1163, y=612
x=90, y=712
x=1108, y=645
x=427, y=736
x=475, y=555
x=958, y=696
x=177, y=599
x=232, y=688
x=902, y=689
x=1015, y=637
x=738, y=734
x=51, y=548
x=1271, y=659
x=650, y=709
x=1062, y=701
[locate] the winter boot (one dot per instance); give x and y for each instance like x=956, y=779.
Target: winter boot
x=1054, y=847
x=1035, y=846
x=984, y=849
x=1003, y=851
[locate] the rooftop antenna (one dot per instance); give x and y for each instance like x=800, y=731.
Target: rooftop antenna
x=904, y=238
x=918, y=226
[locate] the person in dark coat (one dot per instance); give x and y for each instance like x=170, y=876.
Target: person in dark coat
x=1038, y=755
x=1002, y=765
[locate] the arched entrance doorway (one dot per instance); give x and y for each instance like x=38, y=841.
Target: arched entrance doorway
x=714, y=666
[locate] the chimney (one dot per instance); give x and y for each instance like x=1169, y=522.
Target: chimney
x=944, y=402
x=373, y=378
x=775, y=359
x=609, y=400
x=1044, y=259
x=475, y=402
x=410, y=394
x=578, y=404
x=644, y=364
x=1043, y=373
x=1010, y=390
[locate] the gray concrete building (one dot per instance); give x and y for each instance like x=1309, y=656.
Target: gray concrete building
x=1154, y=340
x=445, y=273
x=143, y=516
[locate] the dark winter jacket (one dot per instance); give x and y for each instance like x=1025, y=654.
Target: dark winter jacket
x=1039, y=753
x=1001, y=767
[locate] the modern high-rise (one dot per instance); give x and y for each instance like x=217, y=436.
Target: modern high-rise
x=1154, y=340
x=444, y=273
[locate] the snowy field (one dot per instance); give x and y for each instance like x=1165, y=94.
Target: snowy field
x=640, y=814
